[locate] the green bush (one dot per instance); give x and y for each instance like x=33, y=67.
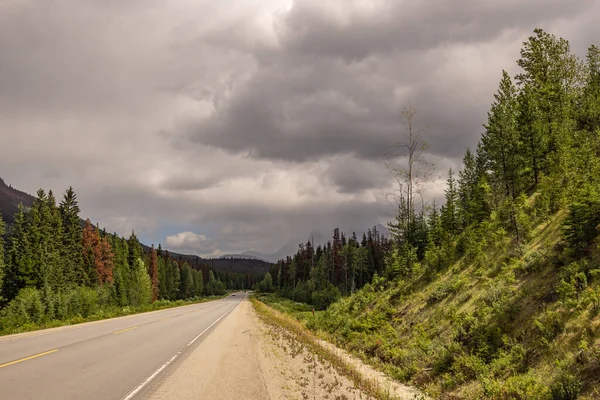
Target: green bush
x=26, y=308
x=321, y=299
x=566, y=387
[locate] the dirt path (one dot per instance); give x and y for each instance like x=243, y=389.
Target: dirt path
x=244, y=358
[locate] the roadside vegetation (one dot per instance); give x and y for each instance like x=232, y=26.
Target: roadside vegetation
x=495, y=294
x=54, y=270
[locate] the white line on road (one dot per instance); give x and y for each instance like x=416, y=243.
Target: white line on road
x=211, y=325
x=165, y=365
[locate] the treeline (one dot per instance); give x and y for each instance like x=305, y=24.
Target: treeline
x=53, y=267
x=321, y=275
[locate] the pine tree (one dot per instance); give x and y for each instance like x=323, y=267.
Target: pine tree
x=20, y=272
x=186, y=283
x=176, y=278
x=90, y=244
x=198, y=283
x=72, y=239
x=154, y=273
x=450, y=208
x=104, y=261
x=135, y=249
x=500, y=140
x=589, y=114
x=1, y=258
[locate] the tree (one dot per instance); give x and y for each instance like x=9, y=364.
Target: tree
x=91, y=250
x=21, y=271
x=410, y=179
x=175, y=280
x=589, y=115
x=501, y=139
x=1, y=257
x=140, y=292
x=135, y=249
x=450, y=209
x=198, y=282
x=550, y=80
x=154, y=273
x=72, y=254
x=186, y=284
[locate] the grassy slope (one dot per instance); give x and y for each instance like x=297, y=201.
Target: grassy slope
x=502, y=327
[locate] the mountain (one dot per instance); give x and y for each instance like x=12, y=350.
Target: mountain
x=10, y=199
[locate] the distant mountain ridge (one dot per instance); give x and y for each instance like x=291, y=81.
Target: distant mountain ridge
x=10, y=199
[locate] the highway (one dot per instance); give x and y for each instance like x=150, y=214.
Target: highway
x=109, y=359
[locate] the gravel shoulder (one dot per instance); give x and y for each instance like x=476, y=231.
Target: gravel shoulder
x=244, y=358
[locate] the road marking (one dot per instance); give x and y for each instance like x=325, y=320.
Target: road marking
x=165, y=365
x=28, y=358
x=211, y=325
x=124, y=330
x=162, y=319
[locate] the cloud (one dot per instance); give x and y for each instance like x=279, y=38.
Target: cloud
x=221, y=127
x=190, y=242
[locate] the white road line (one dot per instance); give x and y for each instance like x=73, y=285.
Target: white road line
x=165, y=365
x=211, y=325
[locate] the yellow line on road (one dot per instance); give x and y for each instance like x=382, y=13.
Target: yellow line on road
x=124, y=330
x=27, y=358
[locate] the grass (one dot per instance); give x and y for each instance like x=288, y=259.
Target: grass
x=308, y=340
x=113, y=312
x=520, y=325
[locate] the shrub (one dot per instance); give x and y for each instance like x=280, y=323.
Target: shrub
x=321, y=299
x=566, y=387
x=26, y=308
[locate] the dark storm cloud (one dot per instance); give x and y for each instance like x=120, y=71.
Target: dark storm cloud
x=242, y=125
x=338, y=77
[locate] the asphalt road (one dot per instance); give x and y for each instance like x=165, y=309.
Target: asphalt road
x=109, y=359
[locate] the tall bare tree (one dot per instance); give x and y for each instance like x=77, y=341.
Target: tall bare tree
x=411, y=172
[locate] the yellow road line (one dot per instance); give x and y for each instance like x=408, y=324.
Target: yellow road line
x=124, y=330
x=27, y=358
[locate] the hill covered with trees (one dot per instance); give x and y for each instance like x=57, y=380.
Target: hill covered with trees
x=495, y=294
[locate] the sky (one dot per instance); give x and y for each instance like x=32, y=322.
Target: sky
x=216, y=127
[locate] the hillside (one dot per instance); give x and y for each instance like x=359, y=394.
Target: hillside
x=10, y=199
x=513, y=321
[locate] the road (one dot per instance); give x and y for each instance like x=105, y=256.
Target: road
x=108, y=359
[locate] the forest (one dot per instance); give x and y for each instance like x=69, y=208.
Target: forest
x=55, y=268
x=495, y=293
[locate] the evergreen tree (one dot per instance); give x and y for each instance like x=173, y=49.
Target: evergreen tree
x=186, y=283
x=1, y=258
x=500, y=140
x=21, y=270
x=450, y=208
x=72, y=254
x=135, y=249
x=175, y=279
x=154, y=273
x=198, y=283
